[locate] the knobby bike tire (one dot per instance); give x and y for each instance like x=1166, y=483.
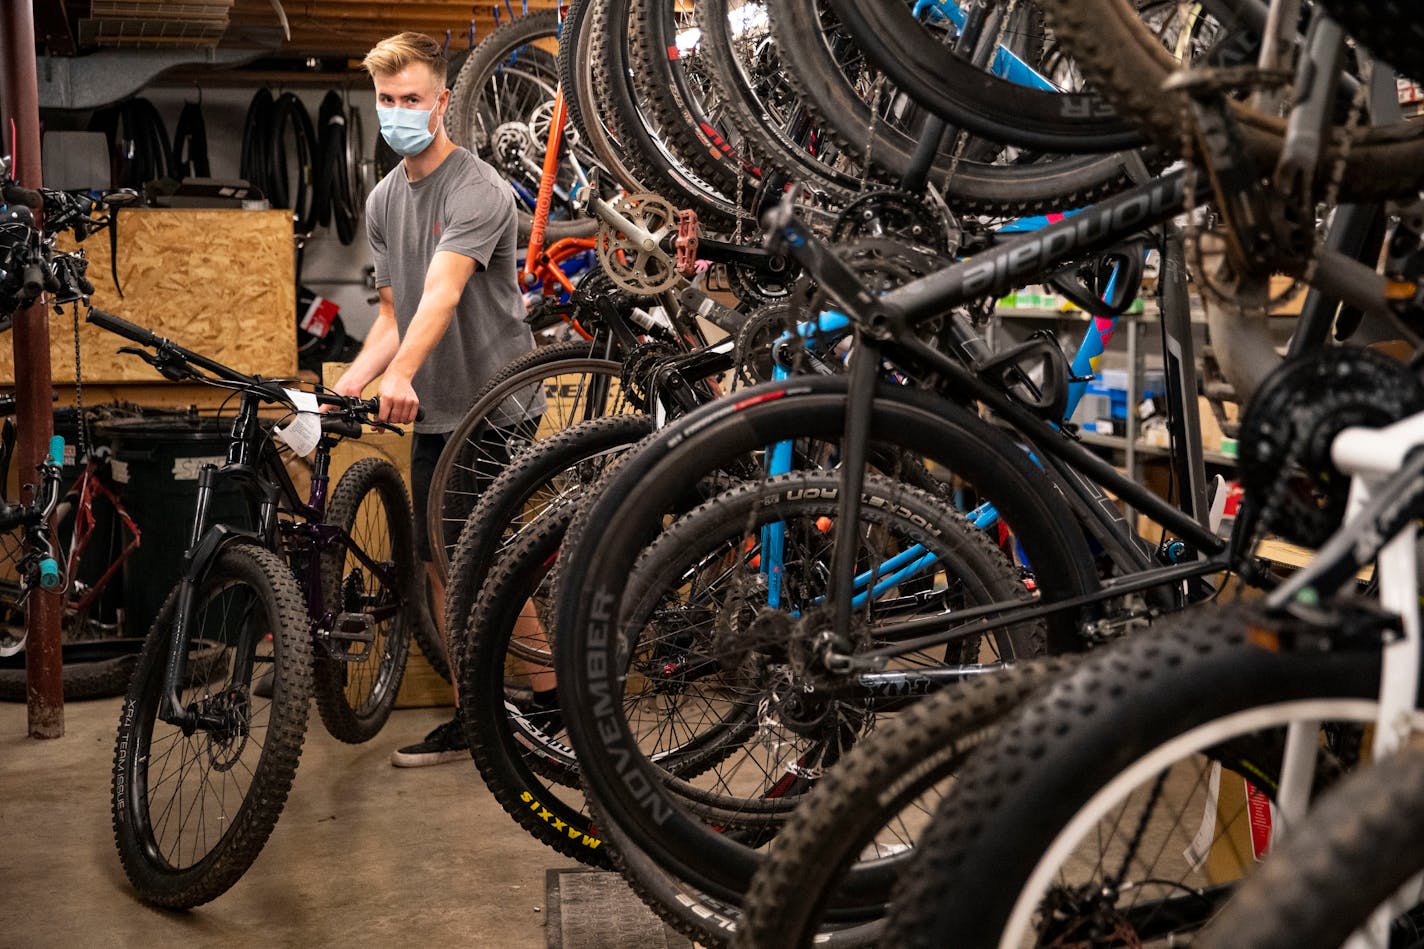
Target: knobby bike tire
x=447, y=484
x=581, y=36
x=661, y=83
x=1390, y=29
x=502, y=513
x=1060, y=183
x=568, y=42
x=1122, y=59
x=703, y=536
x=509, y=748
x=606, y=28
x=1196, y=683
x=490, y=55
x=153, y=874
x=801, y=894
x=355, y=699
x=1316, y=889
x=766, y=142
x=627, y=512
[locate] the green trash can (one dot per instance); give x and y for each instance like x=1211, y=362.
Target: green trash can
x=156, y=463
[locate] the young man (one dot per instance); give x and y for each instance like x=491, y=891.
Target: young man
x=443, y=233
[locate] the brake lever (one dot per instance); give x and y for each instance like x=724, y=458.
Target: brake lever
x=170, y=369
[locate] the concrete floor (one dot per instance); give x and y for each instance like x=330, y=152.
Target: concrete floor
x=364, y=854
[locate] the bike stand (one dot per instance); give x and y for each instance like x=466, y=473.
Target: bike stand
x=595, y=909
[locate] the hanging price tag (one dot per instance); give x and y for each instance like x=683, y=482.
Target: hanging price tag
x=304, y=431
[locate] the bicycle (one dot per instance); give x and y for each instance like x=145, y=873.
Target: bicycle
x=1276, y=698
x=318, y=590
x=36, y=560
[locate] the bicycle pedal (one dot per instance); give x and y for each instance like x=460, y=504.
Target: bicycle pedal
x=352, y=637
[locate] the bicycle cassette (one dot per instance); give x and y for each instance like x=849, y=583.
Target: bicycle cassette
x=641, y=267
x=1289, y=426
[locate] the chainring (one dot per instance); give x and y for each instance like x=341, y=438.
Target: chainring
x=764, y=326
x=639, y=367
x=632, y=266
x=1288, y=428
x=899, y=215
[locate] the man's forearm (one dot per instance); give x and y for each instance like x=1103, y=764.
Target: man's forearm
x=422, y=336
x=381, y=345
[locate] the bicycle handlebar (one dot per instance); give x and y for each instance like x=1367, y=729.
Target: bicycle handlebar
x=167, y=348
x=14, y=194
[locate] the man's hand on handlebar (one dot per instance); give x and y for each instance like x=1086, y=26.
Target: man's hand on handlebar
x=399, y=403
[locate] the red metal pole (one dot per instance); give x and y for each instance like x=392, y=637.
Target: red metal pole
x=21, y=113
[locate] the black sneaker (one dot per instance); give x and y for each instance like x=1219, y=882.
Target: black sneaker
x=445, y=743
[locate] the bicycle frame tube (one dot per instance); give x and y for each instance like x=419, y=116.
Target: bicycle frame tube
x=87, y=486
x=546, y=190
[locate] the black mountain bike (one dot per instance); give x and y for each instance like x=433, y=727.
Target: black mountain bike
x=315, y=597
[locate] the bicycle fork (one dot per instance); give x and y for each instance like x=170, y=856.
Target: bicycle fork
x=205, y=544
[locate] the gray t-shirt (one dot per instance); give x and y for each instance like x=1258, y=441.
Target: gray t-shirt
x=465, y=207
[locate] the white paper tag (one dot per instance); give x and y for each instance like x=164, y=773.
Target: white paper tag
x=305, y=429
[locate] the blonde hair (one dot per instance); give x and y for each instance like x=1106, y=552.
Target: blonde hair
x=395, y=53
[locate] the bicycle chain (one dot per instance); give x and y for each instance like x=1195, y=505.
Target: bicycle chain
x=81, y=422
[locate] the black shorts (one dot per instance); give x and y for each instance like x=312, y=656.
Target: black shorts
x=489, y=453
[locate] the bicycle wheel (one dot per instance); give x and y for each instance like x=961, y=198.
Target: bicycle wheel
x=517, y=740
x=558, y=470
x=495, y=101
x=192, y=809
x=857, y=106
x=626, y=515
x=827, y=881
x=762, y=103
x=1317, y=889
x=653, y=165
x=675, y=86
x=911, y=42
x=538, y=395
x=708, y=664
x=1133, y=832
x=1123, y=57
x=371, y=588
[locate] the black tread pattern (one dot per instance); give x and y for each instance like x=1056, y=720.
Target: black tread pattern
x=368, y=476
x=509, y=773
x=606, y=26
x=1365, y=842
x=103, y=673
x=663, y=97
x=1124, y=61
x=676, y=899
x=247, y=835
x=750, y=117
x=1072, y=739
x=486, y=534
x=1391, y=29
x=929, y=741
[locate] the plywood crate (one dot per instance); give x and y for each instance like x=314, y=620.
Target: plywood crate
x=220, y=282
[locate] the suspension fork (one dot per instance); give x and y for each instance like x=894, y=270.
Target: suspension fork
x=171, y=709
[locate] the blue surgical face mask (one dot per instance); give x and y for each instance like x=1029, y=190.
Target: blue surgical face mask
x=406, y=130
